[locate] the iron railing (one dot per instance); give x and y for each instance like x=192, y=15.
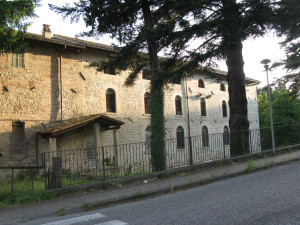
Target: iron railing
x=78, y=166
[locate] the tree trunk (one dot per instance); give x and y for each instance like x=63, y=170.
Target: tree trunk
x=158, y=152
x=238, y=120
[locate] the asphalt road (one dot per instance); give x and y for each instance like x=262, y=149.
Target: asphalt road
x=268, y=197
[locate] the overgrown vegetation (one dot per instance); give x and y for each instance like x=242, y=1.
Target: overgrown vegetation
x=286, y=116
x=250, y=165
x=28, y=187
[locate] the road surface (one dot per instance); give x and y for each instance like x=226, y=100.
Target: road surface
x=267, y=197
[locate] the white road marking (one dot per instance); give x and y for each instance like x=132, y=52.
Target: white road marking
x=113, y=222
x=79, y=219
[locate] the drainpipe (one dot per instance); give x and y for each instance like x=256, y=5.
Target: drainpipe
x=189, y=126
x=60, y=77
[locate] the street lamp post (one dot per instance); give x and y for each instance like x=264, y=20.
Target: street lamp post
x=266, y=66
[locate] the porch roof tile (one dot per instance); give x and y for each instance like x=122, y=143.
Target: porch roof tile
x=74, y=123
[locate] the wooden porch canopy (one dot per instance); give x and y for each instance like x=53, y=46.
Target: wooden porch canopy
x=68, y=125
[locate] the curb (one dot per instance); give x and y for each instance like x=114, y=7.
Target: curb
x=173, y=189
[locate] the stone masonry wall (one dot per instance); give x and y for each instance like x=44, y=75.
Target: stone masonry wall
x=34, y=97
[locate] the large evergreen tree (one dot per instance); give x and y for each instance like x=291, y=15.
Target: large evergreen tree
x=218, y=26
x=286, y=23
x=12, y=27
x=142, y=27
x=221, y=26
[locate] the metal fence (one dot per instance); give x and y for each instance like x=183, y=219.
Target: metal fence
x=19, y=177
x=72, y=167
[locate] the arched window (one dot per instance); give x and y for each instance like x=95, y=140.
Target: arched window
x=178, y=105
x=148, y=139
x=222, y=87
x=201, y=84
x=180, y=137
x=147, y=103
x=146, y=74
x=110, y=100
x=224, y=109
x=205, y=137
x=203, y=107
x=226, y=136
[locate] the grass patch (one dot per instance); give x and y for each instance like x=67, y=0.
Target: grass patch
x=86, y=206
x=250, y=165
x=27, y=188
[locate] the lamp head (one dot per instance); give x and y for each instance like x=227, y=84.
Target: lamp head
x=265, y=61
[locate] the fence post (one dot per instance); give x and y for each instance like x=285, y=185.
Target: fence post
x=250, y=142
x=224, y=149
x=103, y=163
x=57, y=172
x=12, y=180
x=191, y=150
x=44, y=166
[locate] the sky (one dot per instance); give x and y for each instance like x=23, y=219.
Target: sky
x=254, y=50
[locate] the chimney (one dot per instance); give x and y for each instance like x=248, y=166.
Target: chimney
x=46, y=31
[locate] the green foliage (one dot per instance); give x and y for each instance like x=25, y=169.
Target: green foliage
x=110, y=162
x=12, y=27
x=28, y=187
x=286, y=117
x=86, y=206
x=286, y=23
x=250, y=165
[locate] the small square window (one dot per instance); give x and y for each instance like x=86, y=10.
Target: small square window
x=110, y=71
x=146, y=74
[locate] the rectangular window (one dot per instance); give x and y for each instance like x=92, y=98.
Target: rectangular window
x=17, y=144
x=18, y=60
x=90, y=150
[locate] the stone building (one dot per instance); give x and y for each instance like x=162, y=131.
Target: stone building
x=50, y=100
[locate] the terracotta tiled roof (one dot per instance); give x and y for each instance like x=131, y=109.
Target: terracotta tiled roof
x=79, y=43
x=68, y=41
x=75, y=123
x=85, y=43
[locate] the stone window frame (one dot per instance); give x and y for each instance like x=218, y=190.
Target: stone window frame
x=222, y=87
x=109, y=70
x=224, y=108
x=90, y=149
x=148, y=139
x=147, y=103
x=180, y=138
x=226, y=137
x=201, y=83
x=18, y=138
x=203, y=107
x=146, y=74
x=178, y=105
x=18, y=60
x=111, y=101
x=205, y=137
